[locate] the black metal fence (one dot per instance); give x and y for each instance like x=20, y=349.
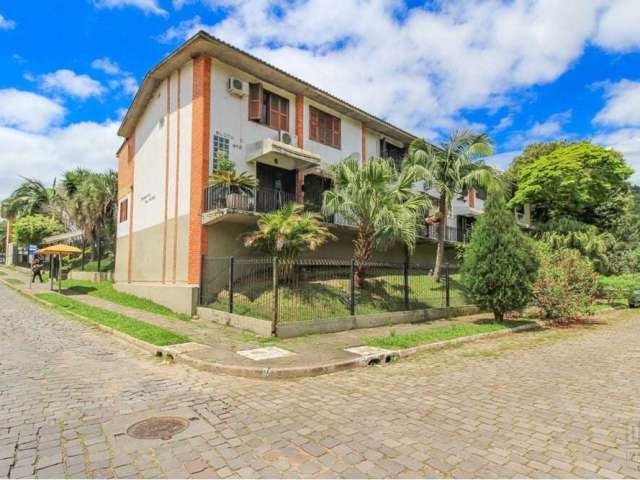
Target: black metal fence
x=260, y=200
x=316, y=289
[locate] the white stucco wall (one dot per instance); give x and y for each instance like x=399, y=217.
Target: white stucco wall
x=230, y=114
x=151, y=149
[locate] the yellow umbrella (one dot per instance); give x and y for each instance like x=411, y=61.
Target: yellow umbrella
x=59, y=249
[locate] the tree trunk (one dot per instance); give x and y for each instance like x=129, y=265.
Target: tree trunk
x=362, y=253
x=442, y=231
x=98, y=251
x=498, y=316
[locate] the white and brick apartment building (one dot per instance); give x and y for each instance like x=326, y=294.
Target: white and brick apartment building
x=206, y=97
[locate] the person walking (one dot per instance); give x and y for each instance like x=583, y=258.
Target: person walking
x=36, y=269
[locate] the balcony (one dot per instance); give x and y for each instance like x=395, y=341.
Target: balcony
x=451, y=235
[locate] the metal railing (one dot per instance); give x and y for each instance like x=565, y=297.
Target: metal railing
x=451, y=234
x=322, y=289
x=260, y=200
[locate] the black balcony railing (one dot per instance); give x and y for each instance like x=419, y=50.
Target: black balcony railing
x=261, y=200
x=267, y=200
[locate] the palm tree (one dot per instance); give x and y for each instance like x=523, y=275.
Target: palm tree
x=452, y=168
x=380, y=202
x=287, y=233
x=31, y=197
x=95, y=207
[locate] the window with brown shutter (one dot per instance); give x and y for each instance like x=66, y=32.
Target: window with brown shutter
x=124, y=210
x=324, y=128
x=255, y=101
x=268, y=108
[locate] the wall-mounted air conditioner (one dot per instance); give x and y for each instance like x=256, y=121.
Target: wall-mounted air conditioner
x=237, y=87
x=285, y=137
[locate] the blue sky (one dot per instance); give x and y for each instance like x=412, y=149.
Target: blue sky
x=521, y=70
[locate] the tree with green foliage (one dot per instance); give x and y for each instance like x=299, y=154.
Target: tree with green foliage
x=3, y=235
x=31, y=229
x=500, y=263
x=380, y=202
x=452, y=168
x=529, y=154
x=573, y=180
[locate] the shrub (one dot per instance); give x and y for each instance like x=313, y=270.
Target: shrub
x=618, y=287
x=500, y=263
x=566, y=286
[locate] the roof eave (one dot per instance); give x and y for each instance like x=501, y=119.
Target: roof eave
x=202, y=42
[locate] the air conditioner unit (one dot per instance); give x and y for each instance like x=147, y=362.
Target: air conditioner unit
x=285, y=137
x=236, y=87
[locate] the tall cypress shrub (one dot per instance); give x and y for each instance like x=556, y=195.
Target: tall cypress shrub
x=500, y=263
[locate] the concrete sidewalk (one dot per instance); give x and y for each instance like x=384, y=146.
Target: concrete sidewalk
x=215, y=347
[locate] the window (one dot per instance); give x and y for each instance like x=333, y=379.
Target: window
x=124, y=210
x=324, y=128
x=268, y=108
x=395, y=153
x=220, y=147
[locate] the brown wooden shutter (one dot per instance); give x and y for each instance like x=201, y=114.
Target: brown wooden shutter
x=336, y=132
x=314, y=133
x=284, y=114
x=255, y=101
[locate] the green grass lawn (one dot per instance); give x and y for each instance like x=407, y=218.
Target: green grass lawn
x=107, y=264
x=105, y=291
x=132, y=327
x=14, y=281
x=2, y=273
x=432, y=335
x=330, y=298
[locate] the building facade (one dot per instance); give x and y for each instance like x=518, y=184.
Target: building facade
x=207, y=100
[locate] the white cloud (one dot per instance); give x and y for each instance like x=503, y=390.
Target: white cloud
x=107, y=65
x=623, y=105
x=70, y=83
x=6, y=24
x=505, y=122
x=125, y=80
x=416, y=67
x=502, y=160
x=147, y=6
x=45, y=155
x=627, y=142
x=550, y=127
x=618, y=29
x=27, y=111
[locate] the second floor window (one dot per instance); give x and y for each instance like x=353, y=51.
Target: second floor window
x=268, y=108
x=324, y=128
x=124, y=210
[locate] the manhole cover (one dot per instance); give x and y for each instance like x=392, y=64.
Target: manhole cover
x=158, y=428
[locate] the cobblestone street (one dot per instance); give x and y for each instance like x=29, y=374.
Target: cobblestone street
x=545, y=404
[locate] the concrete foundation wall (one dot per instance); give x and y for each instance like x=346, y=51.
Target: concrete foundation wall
x=90, y=276
x=299, y=329
x=255, y=325
x=179, y=298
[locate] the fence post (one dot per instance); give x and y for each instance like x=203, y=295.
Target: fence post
x=352, y=288
x=201, y=292
x=447, y=285
x=231, y=268
x=405, y=272
x=276, y=307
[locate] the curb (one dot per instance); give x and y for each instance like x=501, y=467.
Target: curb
x=282, y=373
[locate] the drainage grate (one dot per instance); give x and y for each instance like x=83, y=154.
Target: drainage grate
x=155, y=428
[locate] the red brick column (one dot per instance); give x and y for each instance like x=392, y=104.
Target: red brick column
x=472, y=198
x=200, y=134
x=300, y=137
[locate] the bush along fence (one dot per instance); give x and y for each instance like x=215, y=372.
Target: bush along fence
x=317, y=289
